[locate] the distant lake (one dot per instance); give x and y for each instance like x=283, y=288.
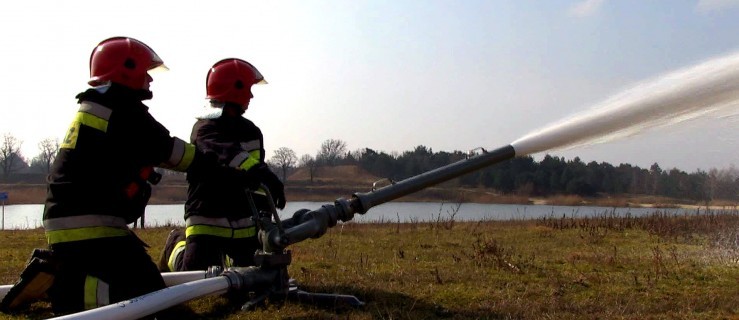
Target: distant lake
x=25, y=216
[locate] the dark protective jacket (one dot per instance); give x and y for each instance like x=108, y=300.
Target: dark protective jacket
x=98, y=181
x=237, y=142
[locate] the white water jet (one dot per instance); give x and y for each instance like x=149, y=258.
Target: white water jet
x=710, y=88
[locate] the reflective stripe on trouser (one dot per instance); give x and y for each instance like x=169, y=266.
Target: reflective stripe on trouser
x=84, y=227
x=97, y=293
x=220, y=227
x=179, y=249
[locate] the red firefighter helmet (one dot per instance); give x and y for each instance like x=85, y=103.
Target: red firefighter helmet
x=230, y=80
x=124, y=61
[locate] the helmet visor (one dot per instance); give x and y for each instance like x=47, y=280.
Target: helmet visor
x=258, y=76
x=158, y=69
x=157, y=64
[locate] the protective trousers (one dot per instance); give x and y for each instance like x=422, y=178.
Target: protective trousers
x=102, y=271
x=204, y=251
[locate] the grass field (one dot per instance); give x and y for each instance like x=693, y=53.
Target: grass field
x=607, y=267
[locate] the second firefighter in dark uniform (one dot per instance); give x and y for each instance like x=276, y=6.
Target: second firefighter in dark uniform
x=218, y=217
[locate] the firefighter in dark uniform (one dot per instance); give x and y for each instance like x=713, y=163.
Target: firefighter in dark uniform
x=219, y=228
x=100, y=182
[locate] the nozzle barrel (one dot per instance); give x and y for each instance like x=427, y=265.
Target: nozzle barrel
x=364, y=201
x=312, y=224
x=316, y=222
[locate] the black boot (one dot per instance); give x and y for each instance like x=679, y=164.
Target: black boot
x=34, y=281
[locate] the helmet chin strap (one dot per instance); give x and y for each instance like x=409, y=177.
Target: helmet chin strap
x=140, y=94
x=144, y=94
x=232, y=109
x=215, y=109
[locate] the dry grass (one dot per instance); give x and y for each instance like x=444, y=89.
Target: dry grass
x=565, y=200
x=344, y=174
x=486, y=196
x=727, y=204
x=608, y=267
x=612, y=202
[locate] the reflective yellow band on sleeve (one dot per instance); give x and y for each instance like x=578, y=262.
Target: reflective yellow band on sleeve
x=251, y=161
x=181, y=156
x=187, y=158
x=246, y=159
x=248, y=164
x=255, y=154
x=68, y=235
x=220, y=231
x=90, y=114
x=92, y=121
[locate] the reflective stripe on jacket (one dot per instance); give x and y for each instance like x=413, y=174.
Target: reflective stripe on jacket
x=110, y=140
x=236, y=142
x=220, y=227
x=84, y=227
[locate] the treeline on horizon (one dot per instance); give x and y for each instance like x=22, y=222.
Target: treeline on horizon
x=521, y=175
x=552, y=175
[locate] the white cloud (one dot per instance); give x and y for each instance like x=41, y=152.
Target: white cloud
x=714, y=5
x=588, y=8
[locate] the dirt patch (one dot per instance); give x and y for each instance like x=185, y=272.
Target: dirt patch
x=345, y=174
x=24, y=193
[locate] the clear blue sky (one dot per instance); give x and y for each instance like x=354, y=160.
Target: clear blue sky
x=388, y=75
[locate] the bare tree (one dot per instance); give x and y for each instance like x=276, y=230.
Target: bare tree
x=10, y=153
x=308, y=162
x=48, y=149
x=723, y=184
x=331, y=151
x=284, y=159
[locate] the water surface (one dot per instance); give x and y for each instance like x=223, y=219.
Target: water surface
x=27, y=216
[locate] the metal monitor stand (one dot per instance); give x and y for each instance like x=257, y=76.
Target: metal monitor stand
x=284, y=288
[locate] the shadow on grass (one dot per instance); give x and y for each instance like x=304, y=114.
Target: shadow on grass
x=38, y=310
x=379, y=304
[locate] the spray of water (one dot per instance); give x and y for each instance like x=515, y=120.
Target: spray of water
x=707, y=89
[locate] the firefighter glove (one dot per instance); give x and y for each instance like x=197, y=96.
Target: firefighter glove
x=276, y=188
